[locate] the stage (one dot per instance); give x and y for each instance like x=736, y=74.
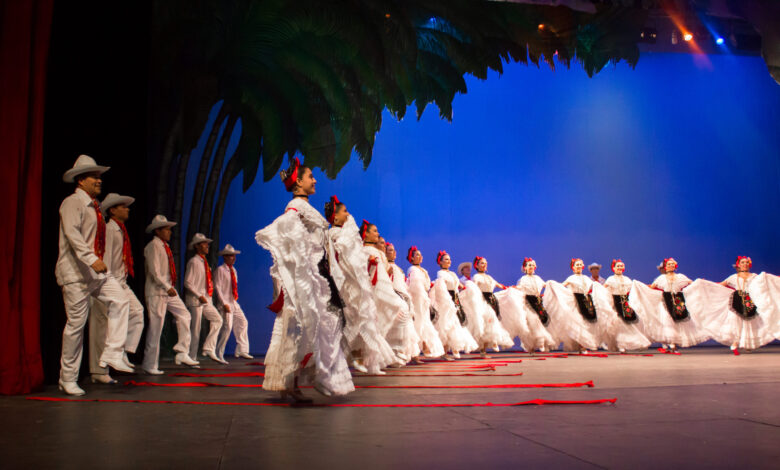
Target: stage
x=705, y=408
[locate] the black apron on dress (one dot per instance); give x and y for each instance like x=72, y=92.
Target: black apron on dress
x=743, y=305
x=675, y=306
x=493, y=302
x=535, y=302
x=585, y=307
x=625, y=313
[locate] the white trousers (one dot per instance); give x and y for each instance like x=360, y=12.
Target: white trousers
x=215, y=324
x=77, y=302
x=157, y=306
x=98, y=317
x=235, y=320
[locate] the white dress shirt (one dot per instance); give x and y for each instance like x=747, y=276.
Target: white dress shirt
x=114, y=251
x=78, y=226
x=223, y=285
x=195, y=282
x=158, y=274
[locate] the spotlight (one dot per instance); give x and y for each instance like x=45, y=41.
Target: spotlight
x=719, y=41
x=688, y=37
x=541, y=26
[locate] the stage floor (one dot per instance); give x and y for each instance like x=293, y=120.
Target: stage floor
x=705, y=408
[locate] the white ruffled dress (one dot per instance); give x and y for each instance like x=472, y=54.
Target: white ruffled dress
x=619, y=333
x=659, y=324
x=403, y=332
x=453, y=336
x=419, y=284
x=537, y=335
x=494, y=335
x=714, y=305
x=566, y=322
x=306, y=337
x=349, y=268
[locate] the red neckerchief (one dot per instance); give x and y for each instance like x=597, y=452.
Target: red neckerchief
x=100, y=235
x=209, y=282
x=127, y=253
x=171, y=265
x=233, y=282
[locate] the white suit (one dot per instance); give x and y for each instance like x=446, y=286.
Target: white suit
x=78, y=228
x=235, y=318
x=195, y=287
x=158, y=281
x=97, y=320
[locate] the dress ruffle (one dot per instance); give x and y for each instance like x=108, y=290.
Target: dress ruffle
x=617, y=333
x=482, y=321
x=532, y=333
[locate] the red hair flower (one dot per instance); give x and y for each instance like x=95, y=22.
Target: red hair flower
x=440, y=256
x=477, y=260
x=574, y=260
x=527, y=260
x=292, y=178
x=740, y=258
x=616, y=261
x=410, y=253
x=364, y=228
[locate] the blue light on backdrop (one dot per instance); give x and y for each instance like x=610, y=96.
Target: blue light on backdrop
x=669, y=159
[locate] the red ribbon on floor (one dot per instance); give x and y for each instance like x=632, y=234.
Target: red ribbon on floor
x=229, y=374
x=439, y=375
x=588, y=384
x=536, y=401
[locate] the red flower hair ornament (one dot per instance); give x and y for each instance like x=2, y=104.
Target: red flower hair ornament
x=477, y=260
x=526, y=261
x=441, y=255
x=410, y=253
x=334, y=202
x=574, y=260
x=616, y=261
x=364, y=228
x=740, y=258
x=292, y=177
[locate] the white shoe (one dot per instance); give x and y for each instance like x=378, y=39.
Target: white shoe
x=183, y=358
x=245, y=355
x=71, y=388
x=154, y=371
x=116, y=365
x=127, y=361
x=359, y=367
x=103, y=379
x=456, y=354
x=213, y=357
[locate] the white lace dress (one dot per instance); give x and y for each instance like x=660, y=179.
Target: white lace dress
x=668, y=317
x=494, y=334
x=537, y=334
x=349, y=268
x=453, y=336
x=740, y=315
x=306, y=338
x=419, y=283
x=624, y=326
x=565, y=307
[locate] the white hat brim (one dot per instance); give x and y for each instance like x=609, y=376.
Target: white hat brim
x=155, y=225
x=126, y=200
x=229, y=252
x=69, y=175
x=195, y=242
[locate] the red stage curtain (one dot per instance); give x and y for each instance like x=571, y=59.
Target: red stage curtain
x=24, y=43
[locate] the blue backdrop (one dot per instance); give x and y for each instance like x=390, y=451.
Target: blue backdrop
x=678, y=157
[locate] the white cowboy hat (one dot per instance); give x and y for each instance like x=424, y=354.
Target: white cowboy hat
x=198, y=238
x=463, y=265
x=229, y=250
x=84, y=164
x=594, y=265
x=114, y=199
x=159, y=221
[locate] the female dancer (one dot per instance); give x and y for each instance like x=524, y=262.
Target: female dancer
x=306, y=340
x=624, y=327
x=495, y=334
x=419, y=284
x=538, y=336
x=672, y=323
x=404, y=330
x=574, y=315
x=444, y=298
x=394, y=320
x=739, y=315
x=369, y=350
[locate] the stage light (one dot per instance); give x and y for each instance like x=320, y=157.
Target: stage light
x=541, y=26
x=648, y=35
x=688, y=37
x=719, y=41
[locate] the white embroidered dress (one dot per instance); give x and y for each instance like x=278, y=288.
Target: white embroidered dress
x=620, y=334
x=419, y=283
x=454, y=336
x=538, y=336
